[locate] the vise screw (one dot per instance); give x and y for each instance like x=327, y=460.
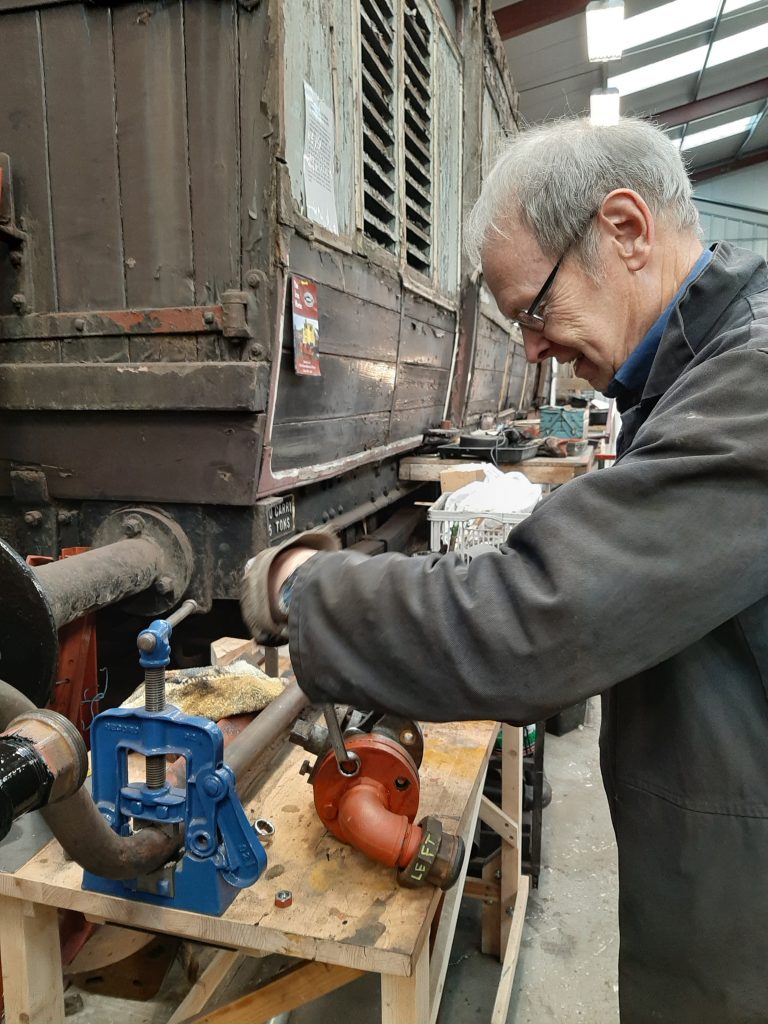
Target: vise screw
x=220, y=852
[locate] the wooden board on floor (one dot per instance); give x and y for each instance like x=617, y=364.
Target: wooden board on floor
x=540, y=470
x=346, y=910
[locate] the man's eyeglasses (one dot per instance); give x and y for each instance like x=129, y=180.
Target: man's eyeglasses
x=529, y=317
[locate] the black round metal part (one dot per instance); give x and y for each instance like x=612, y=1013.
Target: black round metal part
x=25, y=780
x=29, y=642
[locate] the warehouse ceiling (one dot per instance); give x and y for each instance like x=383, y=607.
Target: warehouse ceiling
x=697, y=66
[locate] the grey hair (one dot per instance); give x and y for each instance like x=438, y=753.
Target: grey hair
x=553, y=178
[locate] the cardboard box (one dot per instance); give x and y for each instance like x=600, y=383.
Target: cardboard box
x=453, y=479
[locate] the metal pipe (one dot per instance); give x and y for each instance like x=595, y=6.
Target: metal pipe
x=87, y=838
x=251, y=754
x=84, y=833
x=12, y=704
x=42, y=759
x=97, y=578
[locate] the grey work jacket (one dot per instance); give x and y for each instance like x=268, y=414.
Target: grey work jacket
x=647, y=582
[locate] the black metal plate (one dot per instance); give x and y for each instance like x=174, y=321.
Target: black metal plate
x=29, y=642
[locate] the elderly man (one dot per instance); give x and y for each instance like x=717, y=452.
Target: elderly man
x=647, y=583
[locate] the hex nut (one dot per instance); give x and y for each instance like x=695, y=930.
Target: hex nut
x=283, y=898
x=133, y=526
x=33, y=518
x=265, y=830
x=164, y=585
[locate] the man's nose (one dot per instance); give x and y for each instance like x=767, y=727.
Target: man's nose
x=536, y=345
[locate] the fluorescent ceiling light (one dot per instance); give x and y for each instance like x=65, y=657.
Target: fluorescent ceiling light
x=722, y=131
x=674, y=17
x=604, y=106
x=662, y=71
x=690, y=62
x=605, y=19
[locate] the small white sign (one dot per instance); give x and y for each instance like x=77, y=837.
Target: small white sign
x=319, y=161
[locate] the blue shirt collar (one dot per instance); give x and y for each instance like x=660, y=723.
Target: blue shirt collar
x=632, y=375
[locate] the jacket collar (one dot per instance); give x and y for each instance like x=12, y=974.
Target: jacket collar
x=698, y=312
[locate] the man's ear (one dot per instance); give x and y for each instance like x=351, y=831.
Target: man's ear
x=624, y=218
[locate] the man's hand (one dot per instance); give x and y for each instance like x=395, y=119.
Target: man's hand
x=282, y=567
x=265, y=575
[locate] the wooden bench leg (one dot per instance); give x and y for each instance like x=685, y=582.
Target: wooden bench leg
x=31, y=956
x=406, y=1000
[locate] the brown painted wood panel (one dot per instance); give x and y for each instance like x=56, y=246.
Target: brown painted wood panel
x=205, y=387
x=347, y=387
x=345, y=273
x=261, y=70
x=350, y=326
x=424, y=344
x=419, y=386
x=152, y=150
x=485, y=394
x=419, y=308
x=318, y=441
x=207, y=459
x=491, y=346
x=22, y=131
x=212, y=98
x=411, y=422
x=85, y=199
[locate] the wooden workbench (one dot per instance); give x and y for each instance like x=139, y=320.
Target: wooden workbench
x=539, y=470
x=347, y=912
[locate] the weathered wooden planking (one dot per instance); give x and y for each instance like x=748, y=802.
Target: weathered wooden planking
x=448, y=190
x=419, y=386
x=212, y=97
x=347, y=387
x=413, y=422
x=23, y=134
x=419, y=308
x=206, y=387
x=318, y=441
x=485, y=393
x=211, y=459
x=351, y=326
x=491, y=345
x=163, y=349
x=422, y=468
x=347, y=274
x=346, y=909
x=425, y=344
x=30, y=352
x=258, y=34
x=151, y=135
x=85, y=195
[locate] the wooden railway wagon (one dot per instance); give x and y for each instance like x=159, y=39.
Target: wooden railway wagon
x=169, y=168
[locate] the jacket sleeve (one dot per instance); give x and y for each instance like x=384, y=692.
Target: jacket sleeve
x=614, y=573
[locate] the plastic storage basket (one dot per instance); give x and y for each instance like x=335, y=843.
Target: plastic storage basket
x=469, y=533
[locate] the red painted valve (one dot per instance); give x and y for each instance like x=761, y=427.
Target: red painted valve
x=374, y=810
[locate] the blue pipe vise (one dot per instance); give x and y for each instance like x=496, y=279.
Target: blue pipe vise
x=221, y=851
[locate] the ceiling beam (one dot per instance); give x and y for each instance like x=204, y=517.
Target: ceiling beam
x=515, y=19
x=714, y=104
x=760, y=156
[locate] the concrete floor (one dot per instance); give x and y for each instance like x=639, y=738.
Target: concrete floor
x=567, y=967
